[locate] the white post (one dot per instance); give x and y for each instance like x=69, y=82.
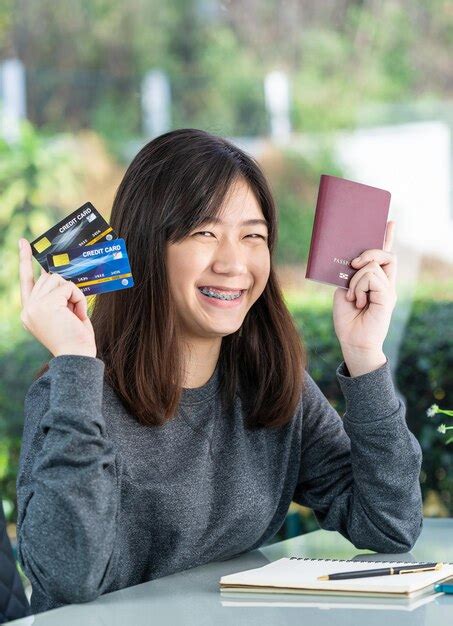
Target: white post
x=12, y=98
x=156, y=102
x=277, y=96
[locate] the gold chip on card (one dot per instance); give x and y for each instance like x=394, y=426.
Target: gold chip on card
x=60, y=259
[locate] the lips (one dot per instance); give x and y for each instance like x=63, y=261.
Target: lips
x=225, y=300
x=224, y=289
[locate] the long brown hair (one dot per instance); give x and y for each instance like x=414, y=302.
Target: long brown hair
x=177, y=182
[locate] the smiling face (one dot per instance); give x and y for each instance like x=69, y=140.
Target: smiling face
x=220, y=269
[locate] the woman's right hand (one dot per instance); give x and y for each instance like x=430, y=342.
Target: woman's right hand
x=54, y=310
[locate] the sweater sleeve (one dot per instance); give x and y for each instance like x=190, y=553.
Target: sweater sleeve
x=360, y=474
x=67, y=487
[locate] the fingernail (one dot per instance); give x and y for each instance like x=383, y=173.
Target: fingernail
x=357, y=258
x=20, y=244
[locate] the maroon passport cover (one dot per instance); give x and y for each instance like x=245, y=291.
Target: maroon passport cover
x=350, y=218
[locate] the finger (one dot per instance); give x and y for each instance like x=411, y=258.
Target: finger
x=44, y=276
x=69, y=293
x=387, y=261
x=46, y=282
x=80, y=309
x=389, y=235
x=373, y=287
x=26, y=278
x=369, y=267
x=78, y=302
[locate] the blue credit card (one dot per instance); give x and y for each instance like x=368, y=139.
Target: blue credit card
x=95, y=269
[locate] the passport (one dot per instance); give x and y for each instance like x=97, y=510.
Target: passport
x=350, y=217
x=95, y=269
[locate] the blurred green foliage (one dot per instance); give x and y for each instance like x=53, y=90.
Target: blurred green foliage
x=294, y=179
x=18, y=366
x=35, y=175
x=86, y=60
x=424, y=376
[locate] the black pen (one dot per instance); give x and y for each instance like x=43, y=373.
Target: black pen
x=385, y=571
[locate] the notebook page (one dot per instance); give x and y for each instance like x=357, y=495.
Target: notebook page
x=303, y=574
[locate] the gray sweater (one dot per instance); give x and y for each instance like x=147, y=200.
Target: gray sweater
x=105, y=503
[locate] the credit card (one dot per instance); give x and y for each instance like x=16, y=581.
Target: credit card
x=95, y=269
x=82, y=227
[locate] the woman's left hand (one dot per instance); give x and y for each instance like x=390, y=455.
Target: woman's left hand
x=362, y=324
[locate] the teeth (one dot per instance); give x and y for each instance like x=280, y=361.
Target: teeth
x=220, y=296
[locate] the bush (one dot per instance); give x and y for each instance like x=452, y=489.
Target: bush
x=294, y=177
x=424, y=376
x=18, y=369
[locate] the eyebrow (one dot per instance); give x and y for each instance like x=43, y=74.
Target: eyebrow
x=254, y=222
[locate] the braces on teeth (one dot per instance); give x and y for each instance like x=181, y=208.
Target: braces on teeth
x=213, y=294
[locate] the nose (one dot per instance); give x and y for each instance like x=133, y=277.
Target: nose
x=229, y=258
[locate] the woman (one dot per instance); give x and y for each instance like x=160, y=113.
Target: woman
x=176, y=427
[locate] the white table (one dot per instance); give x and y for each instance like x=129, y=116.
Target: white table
x=192, y=597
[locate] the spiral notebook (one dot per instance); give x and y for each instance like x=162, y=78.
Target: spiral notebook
x=300, y=575
x=231, y=599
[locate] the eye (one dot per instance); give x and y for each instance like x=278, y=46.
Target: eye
x=257, y=235
x=204, y=232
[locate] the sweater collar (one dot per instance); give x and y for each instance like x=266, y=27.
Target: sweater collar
x=203, y=393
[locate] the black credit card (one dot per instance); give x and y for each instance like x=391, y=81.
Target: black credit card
x=82, y=227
